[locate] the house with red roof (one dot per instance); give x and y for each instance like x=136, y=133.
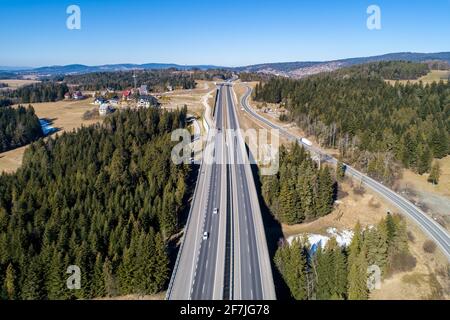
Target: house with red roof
x=127, y=94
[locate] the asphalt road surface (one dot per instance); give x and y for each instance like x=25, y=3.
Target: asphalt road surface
x=232, y=261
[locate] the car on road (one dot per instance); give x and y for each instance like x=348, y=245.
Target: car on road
x=205, y=235
x=216, y=211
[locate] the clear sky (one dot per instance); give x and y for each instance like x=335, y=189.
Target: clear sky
x=227, y=33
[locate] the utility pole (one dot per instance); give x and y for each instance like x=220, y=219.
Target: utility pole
x=135, y=80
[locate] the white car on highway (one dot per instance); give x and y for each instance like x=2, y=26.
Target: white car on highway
x=205, y=235
x=215, y=211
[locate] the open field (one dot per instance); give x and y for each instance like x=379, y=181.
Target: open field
x=191, y=98
x=420, y=181
x=246, y=121
x=428, y=280
x=436, y=76
x=433, y=76
x=64, y=115
x=435, y=200
x=350, y=208
x=14, y=84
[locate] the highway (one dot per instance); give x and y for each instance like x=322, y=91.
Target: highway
x=232, y=262
x=199, y=270
x=252, y=270
x=427, y=224
x=209, y=263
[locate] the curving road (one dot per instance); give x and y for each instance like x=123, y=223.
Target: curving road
x=428, y=225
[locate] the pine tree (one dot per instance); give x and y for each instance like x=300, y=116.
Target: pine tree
x=399, y=242
x=291, y=261
x=56, y=281
x=425, y=158
x=161, y=262
x=435, y=174
x=440, y=143
x=83, y=261
x=340, y=275
x=325, y=192
x=375, y=241
x=127, y=270
x=287, y=203
x=340, y=171
x=325, y=274
x=32, y=288
x=109, y=281
x=145, y=265
x=10, y=282
x=98, y=279
x=297, y=264
x=307, y=198
x=357, y=278
x=355, y=245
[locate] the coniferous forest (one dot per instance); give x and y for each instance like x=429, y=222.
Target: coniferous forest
x=377, y=127
x=105, y=198
x=156, y=80
x=18, y=126
x=300, y=191
x=121, y=80
x=46, y=91
x=340, y=273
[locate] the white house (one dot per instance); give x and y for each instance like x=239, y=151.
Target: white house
x=99, y=101
x=114, y=101
x=147, y=102
x=77, y=95
x=143, y=91
x=104, y=109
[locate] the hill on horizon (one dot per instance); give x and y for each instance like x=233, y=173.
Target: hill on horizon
x=81, y=68
x=302, y=69
x=297, y=69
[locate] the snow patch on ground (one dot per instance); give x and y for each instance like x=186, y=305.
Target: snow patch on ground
x=343, y=238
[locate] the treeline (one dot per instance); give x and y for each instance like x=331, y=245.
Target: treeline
x=388, y=70
x=105, y=198
x=18, y=126
x=39, y=92
x=253, y=76
x=211, y=75
x=375, y=125
x=438, y=65
x=300, y=191
x=341, y=273
x=156, y=80
x=7, y=75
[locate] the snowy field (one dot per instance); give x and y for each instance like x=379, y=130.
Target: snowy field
x=343, y=238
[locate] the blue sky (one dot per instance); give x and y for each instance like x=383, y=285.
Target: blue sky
x=229, y=32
